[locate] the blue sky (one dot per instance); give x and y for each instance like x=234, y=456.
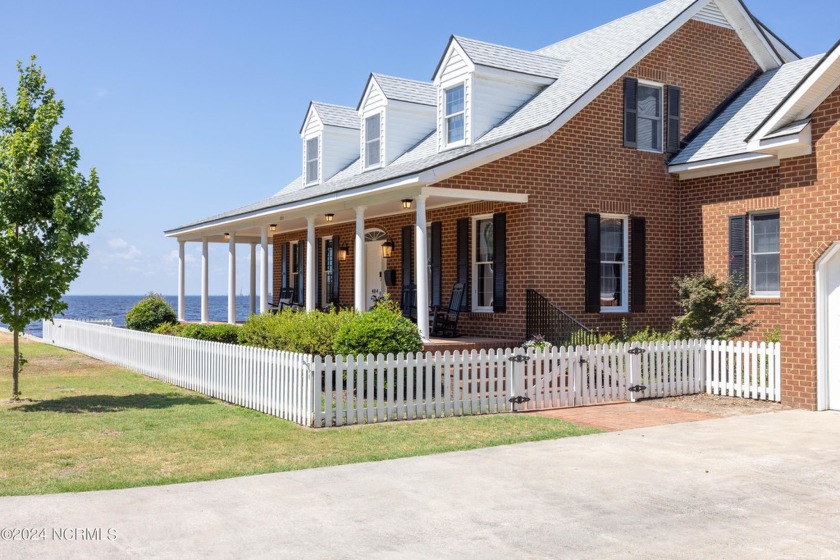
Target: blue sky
x=188, y=109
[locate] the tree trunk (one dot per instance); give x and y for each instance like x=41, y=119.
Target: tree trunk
x=16, y=366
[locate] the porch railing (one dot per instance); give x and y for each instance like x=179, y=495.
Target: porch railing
x=545, y=319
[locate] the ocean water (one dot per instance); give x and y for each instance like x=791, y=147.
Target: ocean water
x=115, y=308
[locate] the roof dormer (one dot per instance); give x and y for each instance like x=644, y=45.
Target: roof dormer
x=395, y=114
x=330, y=141
x=480, y=84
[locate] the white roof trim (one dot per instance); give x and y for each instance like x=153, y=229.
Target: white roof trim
x=468, y=194
x=796, y=106
x=719, y=166
x=453, y=47
x=745, y=26
x=789, y=145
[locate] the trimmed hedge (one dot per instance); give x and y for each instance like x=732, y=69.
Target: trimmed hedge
x=382, y=330
x=310, y=333
x=149, y=313
x=228, y=334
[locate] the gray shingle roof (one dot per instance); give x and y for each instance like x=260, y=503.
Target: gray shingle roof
x=507, y=58
x=403, y=89
x=727, y=134
x=579, y=63
x=337, y=115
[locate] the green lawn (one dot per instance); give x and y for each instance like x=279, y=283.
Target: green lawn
x=88, y=425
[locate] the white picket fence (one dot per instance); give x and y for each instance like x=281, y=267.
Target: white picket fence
x=337, y=391
x=274, y=382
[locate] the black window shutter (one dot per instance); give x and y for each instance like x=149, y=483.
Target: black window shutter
x=593, y=263
x=463, y=258
x=638, y=263
x=407, y=253
x=284, y=266
x=499, y=264
x=673, y=140
x=738, y=249
x=436, y=250
x=631, y=109
x=336, y=275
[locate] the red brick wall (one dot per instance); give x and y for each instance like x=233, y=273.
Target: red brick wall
x=584, y=168
x=810, y=202
x=705, y=207
x=806, y=190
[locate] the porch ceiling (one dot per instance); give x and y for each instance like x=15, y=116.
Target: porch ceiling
x=247, y=228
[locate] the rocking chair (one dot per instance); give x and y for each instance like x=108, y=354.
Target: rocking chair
x=445, y=320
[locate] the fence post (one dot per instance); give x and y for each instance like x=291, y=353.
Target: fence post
x=517, y=379
x=635, y=372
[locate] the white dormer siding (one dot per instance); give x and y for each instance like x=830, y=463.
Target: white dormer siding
x=406, y=110
x=497, y=81
x=336, y=129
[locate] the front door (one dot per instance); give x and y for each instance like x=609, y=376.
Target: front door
x=832, y=331
x=375, y=264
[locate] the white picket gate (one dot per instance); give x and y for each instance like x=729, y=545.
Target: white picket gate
x=338, y=391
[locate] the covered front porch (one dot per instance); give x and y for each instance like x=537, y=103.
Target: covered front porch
x=340, y=249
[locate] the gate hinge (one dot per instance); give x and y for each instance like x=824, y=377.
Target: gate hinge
x=637, y=389
x=636, y=351
x=519, y=399
x=519, y=358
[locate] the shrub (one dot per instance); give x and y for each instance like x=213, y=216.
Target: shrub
x=382, y=330
x=149, y=313
x=226, y=333
x=309, y=333
x=711, y=308
x=773, y=335
x=172, y=329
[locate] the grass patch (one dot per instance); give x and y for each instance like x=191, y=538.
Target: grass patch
x=87, y=425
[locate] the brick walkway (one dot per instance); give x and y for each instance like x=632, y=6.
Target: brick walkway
x=624, y=416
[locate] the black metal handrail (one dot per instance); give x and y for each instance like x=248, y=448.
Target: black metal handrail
x=543, y=318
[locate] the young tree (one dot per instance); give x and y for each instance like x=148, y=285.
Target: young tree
x=45, y=207
x=712, y=309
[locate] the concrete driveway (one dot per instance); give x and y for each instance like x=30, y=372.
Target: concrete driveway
x=764, y=486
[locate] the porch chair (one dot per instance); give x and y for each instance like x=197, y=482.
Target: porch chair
x=287, y=298
x=445, y=320
x=408, y=302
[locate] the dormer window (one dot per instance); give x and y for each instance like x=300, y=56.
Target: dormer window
x=454, y=114
x=312, y=163
x=373, y=145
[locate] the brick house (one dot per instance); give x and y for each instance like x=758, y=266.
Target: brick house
x=586, y=174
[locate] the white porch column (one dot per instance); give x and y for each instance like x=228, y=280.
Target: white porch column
x=421, y=273
x=232, y=279
x=359, y=261
x=181, y=282
x=310, y=263
x=264, y=269
x=205, y=282
x=253, y=278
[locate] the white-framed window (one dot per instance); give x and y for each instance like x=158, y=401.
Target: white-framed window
x=297, y=284
x=373, y=145
x=649, y=122
x=765, y=264
x=482, y=264
x=614, y=278
x=453, y=115
x=327, y=277
x=312, y=160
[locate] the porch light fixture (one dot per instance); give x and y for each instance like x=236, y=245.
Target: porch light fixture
x=406, y=203
x=342, y=253
x=387, y=249
x=272, y=227
x=329, y=217
x=227, y=236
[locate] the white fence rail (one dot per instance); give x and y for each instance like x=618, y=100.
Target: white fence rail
x=337, y=391
x=277, y=383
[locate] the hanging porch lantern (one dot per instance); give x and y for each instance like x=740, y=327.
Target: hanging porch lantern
x=387, y=249
x=342, y=253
